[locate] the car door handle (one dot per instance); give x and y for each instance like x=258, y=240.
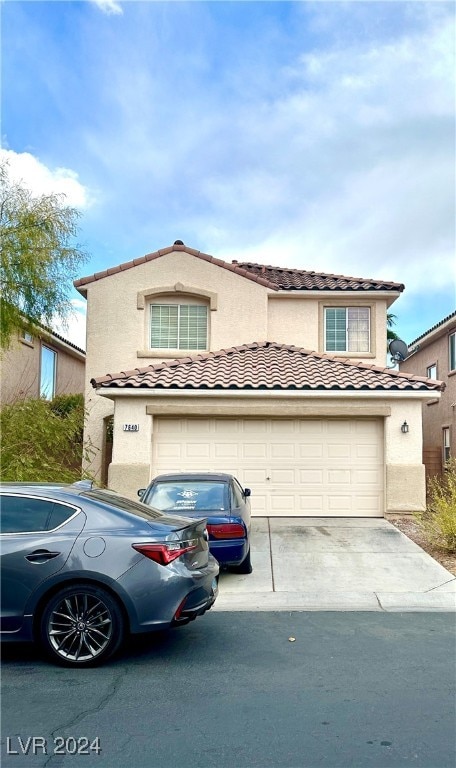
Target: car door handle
x=41, y=556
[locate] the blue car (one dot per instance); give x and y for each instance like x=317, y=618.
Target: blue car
x=218, y=497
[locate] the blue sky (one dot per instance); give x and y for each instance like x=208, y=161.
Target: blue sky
x=315, y=135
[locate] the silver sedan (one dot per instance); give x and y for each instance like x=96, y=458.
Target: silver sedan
x=83, y=567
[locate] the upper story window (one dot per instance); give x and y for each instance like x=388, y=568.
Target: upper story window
x=347, y=329
x=26, y=336
x=431, y=371
x=452, y=351
x=48, y=373
x=178, y=326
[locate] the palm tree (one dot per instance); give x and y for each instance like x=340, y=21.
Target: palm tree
x=390, y=321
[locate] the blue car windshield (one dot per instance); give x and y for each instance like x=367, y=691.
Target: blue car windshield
x=190, y=495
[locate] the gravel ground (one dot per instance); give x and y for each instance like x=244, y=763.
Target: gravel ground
x=408, y=525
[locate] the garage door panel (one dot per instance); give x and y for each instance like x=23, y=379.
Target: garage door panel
x=368, y=504
x=254, y=426
x=254, y=476
x=169, y=450
x=302, y=467
x=311, y=426
x=226, y=427
x=282, y=476
x=254, y=450
x=337, y=476
x=310, y=505
x=197, y=450
x=310, y=450
x=365, y=477
x=282, y=450
x=281, y=426
x=310, y=476
x=339, y=451
x=367, y=451
x=339, y=504
x=281, y=502
x=226, y=450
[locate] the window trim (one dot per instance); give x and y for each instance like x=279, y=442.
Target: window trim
x=452, y=349
x=178, y=293
x=150, y=294
x=352, y=305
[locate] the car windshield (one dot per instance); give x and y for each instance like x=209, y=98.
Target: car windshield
x=189, y=495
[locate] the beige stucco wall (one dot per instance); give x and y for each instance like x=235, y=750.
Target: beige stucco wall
x=404, y=473
x=294, y=318
x=117, y=329
x=20, y=370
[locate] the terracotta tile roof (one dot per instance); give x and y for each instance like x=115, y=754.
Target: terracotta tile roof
x=266, y=366
x=83, y=281
x=275, y=278
x=302, y=280
x=445, y=320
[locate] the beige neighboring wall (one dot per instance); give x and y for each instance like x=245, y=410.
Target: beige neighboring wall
x=20, y=369
x=404, y=475
x=438, y=413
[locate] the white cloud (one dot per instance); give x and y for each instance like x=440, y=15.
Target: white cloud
x=41, y=180
x=110, y=7
x=74, y=328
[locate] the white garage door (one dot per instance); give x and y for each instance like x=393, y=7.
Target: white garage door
x=295, y=467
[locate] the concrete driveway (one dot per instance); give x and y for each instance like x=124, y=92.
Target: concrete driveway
x=336, y=564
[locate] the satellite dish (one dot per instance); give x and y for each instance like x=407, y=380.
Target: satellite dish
x=398, y=350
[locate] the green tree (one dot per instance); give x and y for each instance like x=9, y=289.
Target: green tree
x=39, y=258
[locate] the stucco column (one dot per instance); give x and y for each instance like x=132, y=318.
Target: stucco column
x=132, y=445
x=405, y=472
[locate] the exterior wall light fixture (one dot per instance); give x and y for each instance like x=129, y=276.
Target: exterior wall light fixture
x=404, y=428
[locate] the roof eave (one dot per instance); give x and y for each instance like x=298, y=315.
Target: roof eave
x=144, y=392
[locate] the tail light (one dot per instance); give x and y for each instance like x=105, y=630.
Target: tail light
x=167, y=552
x=227, y=531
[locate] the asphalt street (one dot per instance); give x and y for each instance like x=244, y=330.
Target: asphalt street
x=232, y=690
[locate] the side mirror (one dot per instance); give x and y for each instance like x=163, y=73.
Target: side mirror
x=247, y=492
x=141, y=492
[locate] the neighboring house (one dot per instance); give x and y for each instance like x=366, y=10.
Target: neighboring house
x=433, y=354
x=276, y=375
x=40, y=365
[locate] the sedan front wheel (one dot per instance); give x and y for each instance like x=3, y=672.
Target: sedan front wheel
x=81, y=626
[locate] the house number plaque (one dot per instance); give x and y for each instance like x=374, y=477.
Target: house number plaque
x=131, y=427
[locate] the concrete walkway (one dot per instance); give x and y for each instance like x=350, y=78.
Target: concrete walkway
x=336, y=564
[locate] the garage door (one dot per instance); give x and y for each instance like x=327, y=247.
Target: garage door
x=295, y=467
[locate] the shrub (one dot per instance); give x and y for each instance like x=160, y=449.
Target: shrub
x=63, y=405
x=41, y=441
x=438, y=523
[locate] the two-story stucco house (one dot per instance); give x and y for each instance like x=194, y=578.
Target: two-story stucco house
x=40, y=364
x=276, y=375
x=433, y=354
